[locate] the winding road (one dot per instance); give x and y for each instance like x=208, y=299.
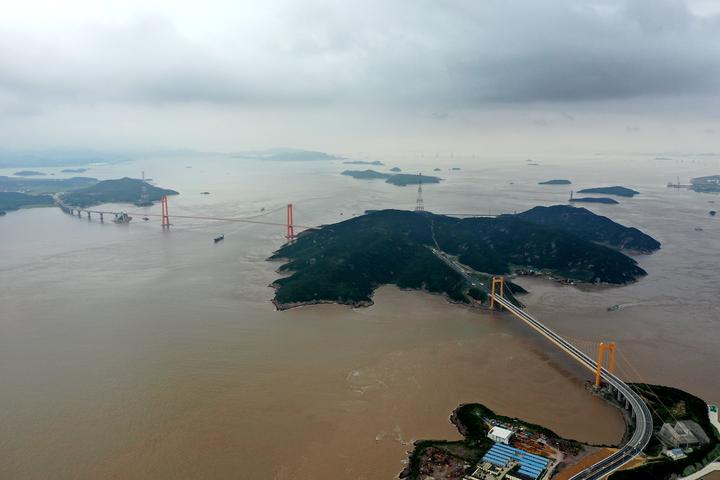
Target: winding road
x=643, y=424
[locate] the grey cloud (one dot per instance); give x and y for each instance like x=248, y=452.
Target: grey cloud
x=420, y=53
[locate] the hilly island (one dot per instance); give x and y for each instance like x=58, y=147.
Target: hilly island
x=345, y=262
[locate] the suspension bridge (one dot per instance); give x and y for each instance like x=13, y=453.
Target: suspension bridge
x=124, y=217
x=638, y=411
x=291, y=228
x=633, y=403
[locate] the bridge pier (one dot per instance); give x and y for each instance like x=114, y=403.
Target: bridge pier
x=88, y=214
x=79, y=213
x=101, y=217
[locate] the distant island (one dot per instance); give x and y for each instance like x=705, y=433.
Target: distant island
x=455, y=168
x=15, y=200
x=44, y=185
x=286, y=154
x=74, y=170
x=400, y=179
x=555, y=182
x=123, y=190
x=345, y=262
x=617, y=190
x=436, y=169
x=709, y=184
x=28, y=173
x=395, y=169
x=607, y=201
x=365, y=174
x=377, y=163
x=455, y=460
x=61, y=157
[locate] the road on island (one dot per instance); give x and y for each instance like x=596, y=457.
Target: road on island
x=639, y=410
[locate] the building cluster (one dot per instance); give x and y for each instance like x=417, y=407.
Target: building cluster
x=504, y=462
x=680, y=438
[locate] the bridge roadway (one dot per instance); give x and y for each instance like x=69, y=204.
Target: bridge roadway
x=640, y=411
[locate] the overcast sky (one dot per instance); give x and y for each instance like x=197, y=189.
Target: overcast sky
x=370, y=75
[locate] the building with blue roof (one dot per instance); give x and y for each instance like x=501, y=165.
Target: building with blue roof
x=530, y=466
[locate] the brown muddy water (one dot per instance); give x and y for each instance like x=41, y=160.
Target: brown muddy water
x=127, y=352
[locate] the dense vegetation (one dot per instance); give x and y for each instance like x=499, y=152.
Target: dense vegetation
x=347, y=261
x=44, y=185
x=616, y=190
x=597, y=228
x=669, y=405
x=364, y=162
x=16, y=200
x=558, y=181
x=607, y=201
x=400, y=179
x=365, y=174
x=123, y=190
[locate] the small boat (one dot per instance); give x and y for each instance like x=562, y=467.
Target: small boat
x=219, y=238
x=698, y=229
x=146, y=218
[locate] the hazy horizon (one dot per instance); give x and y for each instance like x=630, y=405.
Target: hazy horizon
x=518, y=77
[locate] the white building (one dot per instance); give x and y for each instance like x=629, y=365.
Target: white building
x=500, y=435
x=675, y=454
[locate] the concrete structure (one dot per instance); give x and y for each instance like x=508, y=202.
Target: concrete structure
x=500, y=435
x=685, y=433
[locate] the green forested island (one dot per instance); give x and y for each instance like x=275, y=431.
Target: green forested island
x=29, y=173
x=606, y=201
x=123, y=190
x=365, y=174
x=400, y=179
x=558, y=181
x=347, y=261
x=44, y=185
x=377, y=163
x=668, y=406
x=16, y=200
x=616, y=190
